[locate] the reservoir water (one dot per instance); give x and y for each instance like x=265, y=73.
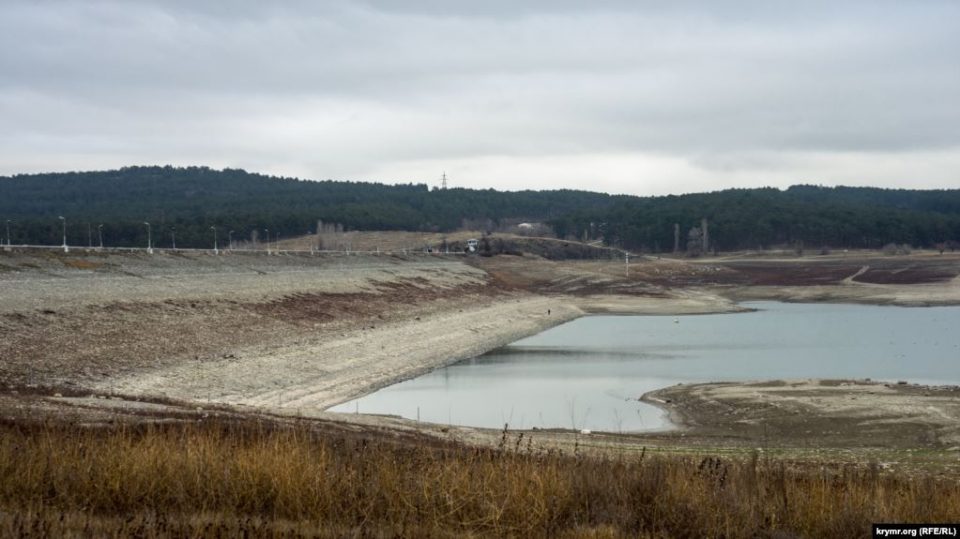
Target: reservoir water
x=589, y=373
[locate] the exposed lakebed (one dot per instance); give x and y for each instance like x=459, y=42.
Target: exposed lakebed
x=589, y=373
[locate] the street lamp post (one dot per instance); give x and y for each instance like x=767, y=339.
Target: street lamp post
x=8, y=232
x=149, y=239
x=215, y=250
x=230, y=236
x=65, y=248
x=266, y=232
x=100, y=235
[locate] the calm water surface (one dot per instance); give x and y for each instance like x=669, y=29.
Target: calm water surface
x=588, y=373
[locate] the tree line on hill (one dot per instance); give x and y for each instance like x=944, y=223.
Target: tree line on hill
x=183, y=203
x=803, y=216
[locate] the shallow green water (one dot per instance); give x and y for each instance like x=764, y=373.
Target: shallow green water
x=588, y=373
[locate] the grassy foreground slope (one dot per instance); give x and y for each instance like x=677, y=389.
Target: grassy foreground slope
x=233, y=479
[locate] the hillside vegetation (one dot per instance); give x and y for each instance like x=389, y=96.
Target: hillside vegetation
x=186, y=202
x=803, y=215
x=193, y=199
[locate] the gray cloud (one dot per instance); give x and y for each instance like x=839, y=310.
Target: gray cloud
x=706, y=94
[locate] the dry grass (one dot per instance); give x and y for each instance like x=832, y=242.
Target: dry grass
x=249, y=479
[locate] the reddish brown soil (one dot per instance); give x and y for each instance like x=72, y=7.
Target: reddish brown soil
x=787, y=274
x=811, y=271
x=911, y=274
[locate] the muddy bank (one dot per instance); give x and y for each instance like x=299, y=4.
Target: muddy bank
x=815, y=413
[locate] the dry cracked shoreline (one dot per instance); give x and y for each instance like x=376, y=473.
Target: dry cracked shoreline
x=295, y=334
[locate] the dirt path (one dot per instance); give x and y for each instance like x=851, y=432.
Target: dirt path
x=850, y=280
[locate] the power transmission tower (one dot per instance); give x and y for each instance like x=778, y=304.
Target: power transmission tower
x=443, y=181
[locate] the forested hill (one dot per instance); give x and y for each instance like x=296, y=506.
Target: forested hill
x=811, y=216
x=193, y=199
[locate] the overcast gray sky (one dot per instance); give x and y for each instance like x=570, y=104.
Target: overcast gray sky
x=618, y=96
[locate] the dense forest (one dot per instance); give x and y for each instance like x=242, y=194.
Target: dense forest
x=802, y=216
x=186, y=202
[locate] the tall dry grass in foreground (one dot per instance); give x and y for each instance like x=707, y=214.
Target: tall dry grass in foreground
x=243, y=479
